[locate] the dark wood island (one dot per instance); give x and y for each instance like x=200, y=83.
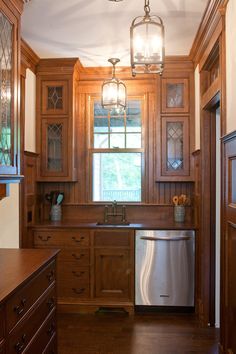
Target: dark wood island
x=28, y=301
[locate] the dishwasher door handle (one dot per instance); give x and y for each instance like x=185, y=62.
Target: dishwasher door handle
x=149, y=238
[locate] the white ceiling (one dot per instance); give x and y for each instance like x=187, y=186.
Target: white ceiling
x=95, y=30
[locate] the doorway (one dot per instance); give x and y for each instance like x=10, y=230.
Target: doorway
x=210, y=211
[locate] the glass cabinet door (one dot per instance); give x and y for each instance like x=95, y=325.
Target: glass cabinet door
x=6, y=91
x=54, y=147
x=175, y=146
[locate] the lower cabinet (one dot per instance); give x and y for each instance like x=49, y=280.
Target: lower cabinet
x=95, y=268
x=28, y=310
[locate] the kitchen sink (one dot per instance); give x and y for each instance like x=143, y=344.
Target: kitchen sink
x=112, y=223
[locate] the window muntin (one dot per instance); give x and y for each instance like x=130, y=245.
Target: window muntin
x=117, y=153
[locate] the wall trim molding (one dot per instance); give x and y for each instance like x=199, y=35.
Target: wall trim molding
x=211, y=18
x=29, y=59
x=229, y=136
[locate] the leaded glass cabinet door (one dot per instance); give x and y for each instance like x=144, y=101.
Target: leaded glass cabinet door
x=54, y=147
x=175, y=95
x=8, y=93
x=54, y=97
x=175, y=146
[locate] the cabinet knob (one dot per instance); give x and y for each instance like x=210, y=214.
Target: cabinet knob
x=50, y=275
x=77, y=274
x=78, y=291
x=78, y=257
x=19, y=346
x=51, y=303
x=78, y=240
x=44, y=238
x=20, y=308
x=51, y=329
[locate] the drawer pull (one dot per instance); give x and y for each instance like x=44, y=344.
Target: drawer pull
x=20, y=308
x=77, y=274
x=50, y=275
x=78, y=291
x=78, y=240
x=44, y=239
x=51, y=303
x=78, y=257
x=51, y=329
x=19, y=346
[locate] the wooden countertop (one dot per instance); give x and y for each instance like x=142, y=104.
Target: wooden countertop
x=18, y=265
x=157, y=225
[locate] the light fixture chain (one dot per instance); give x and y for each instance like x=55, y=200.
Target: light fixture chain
x=147, y=7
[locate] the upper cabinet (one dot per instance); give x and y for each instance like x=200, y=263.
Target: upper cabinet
x=10, y=11
x=175, y=129
x=57, y=81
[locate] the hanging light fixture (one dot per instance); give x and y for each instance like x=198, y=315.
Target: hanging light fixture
x=113, y=90
x=147, y=43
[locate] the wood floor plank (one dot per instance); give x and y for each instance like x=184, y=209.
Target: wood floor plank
x=138, y=334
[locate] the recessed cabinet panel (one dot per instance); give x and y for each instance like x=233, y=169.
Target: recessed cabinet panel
x=175, y=96
x=175, y=146
x=9, y=80
x=54, y=97
x=54, y=147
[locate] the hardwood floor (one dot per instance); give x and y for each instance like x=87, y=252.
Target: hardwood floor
x=138, y=334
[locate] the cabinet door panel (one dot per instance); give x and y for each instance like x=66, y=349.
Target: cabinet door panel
x=9, y=79
x=175, y=146
x=54, y=147
x=112, y=274
x=175, y=96
x=55, y=97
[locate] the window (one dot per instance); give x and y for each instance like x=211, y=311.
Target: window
x=116, y=153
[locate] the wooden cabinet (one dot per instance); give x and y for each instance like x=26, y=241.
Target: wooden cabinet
x=56, y=113
x=28, y=301
x=114, y=264
x=95, y=267
x=175, y=129
x=10, y=12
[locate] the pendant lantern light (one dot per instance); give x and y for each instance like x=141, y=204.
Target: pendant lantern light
x=113, y=90
x=147, y=43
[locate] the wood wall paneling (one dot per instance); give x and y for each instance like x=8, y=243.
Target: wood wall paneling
x=228, y=246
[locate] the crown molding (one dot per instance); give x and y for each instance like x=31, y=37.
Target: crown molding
x=213, y=14
x=29, y=59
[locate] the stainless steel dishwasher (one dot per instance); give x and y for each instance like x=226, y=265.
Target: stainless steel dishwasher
x=164, y=268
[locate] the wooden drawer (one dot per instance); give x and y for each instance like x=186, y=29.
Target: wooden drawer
x=2, y=347
x=72, y=272
x=79, y=257
x=73, y=289
x=2, y=328
x=112, y=238
x=61, y=238
x=21, y=336
x=19, y=304
x=45, y=339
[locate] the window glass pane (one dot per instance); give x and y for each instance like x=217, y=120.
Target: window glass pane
x=133, y=141
x=133, y=124
x=101, y=141
x=100, y=125
x=117, y=124
x=117, y=176
x=133, y=108
x=99, y=111
x=117, y=141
